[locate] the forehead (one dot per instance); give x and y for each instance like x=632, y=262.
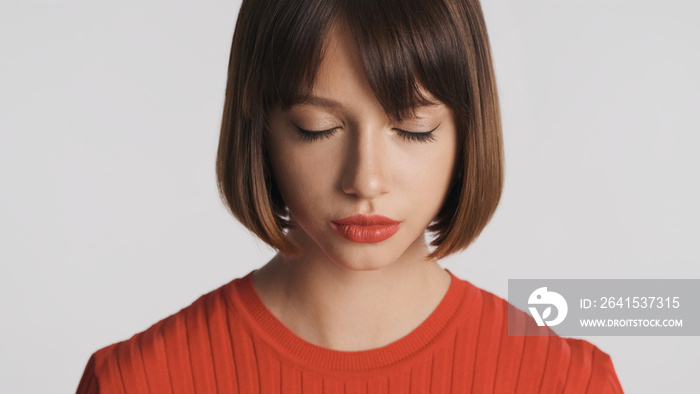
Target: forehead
x=341, y=75
x=404, y=60
x=341, y=78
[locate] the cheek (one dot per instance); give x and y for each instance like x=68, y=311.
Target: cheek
x=427, y=175
x=304, y=177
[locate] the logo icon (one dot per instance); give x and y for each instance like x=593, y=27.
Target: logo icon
x=543, y=297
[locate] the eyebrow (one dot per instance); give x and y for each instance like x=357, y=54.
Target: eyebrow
x=330, y=103
x=319, y=102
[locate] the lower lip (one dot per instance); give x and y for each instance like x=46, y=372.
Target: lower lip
x=366, y=234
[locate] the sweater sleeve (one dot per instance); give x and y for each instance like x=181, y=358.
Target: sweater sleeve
x=603, y=377
x=102, y=373
x=88, y=383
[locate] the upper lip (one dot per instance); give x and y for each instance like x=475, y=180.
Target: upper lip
x=364, y=220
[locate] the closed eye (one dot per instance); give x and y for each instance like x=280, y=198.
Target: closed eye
x=411, y=136
x=313, y=135
x=417, y=136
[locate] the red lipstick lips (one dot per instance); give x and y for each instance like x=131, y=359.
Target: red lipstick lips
x=366, y=229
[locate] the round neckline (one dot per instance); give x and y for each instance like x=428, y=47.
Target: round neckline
x=248, y=305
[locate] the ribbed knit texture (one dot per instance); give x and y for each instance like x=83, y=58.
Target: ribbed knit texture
x=228, y=342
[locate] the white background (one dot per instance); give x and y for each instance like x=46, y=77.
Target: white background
x=110, y=220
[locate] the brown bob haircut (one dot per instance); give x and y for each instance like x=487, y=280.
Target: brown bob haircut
x=439, y=45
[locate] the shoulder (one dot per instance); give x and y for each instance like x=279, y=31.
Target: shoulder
x=156, y=359
x=513, y=353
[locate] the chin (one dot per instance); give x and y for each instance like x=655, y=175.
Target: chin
x=369, y=259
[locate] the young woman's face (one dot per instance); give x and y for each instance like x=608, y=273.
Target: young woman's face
x=338, y=155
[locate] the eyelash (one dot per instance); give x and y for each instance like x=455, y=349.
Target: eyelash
x=311, y=135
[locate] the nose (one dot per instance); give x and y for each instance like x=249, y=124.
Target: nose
x=365, y=173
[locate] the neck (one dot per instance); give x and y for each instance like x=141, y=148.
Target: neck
x=342, y=309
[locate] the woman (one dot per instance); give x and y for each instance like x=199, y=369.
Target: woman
x=349, y=129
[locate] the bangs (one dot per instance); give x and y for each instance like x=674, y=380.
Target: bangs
x=406, y=47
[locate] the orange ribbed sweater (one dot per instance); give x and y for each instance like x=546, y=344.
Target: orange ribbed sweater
x=228, y=342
